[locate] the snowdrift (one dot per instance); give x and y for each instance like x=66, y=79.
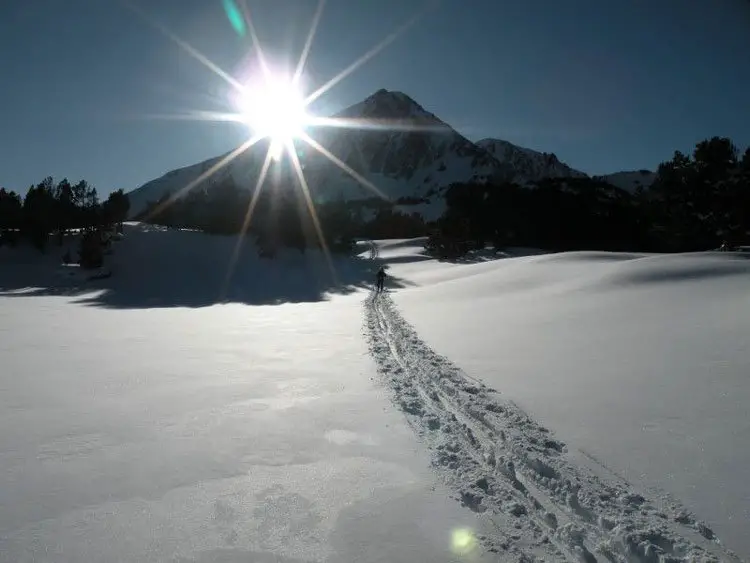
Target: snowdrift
x=636, y=360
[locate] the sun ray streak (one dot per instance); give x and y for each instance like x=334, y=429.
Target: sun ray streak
x=254, y=38
x=311, y=208
x=345, y=167
x=246, y=222
x=308, y=43
x=197, y=115
x=256, y=193
x=192, y=51
x=207, y=174
x=375, y=124
x=367, y=56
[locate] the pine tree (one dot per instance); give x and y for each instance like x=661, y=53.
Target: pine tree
x=11, y=214
x=292, y=216
x=115, y=209
x=65, y=209
x=39, y=213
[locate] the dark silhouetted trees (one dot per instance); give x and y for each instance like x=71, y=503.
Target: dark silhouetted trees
x=281, y=217
x=11, y=217
x=694, y=203
x=57, y=209
x=39, y=207
x=115, y=209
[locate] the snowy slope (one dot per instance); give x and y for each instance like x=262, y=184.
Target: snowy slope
x=528, y=165
x=153, y=427
x=164, y=414
x=170, y=182
x=636, y=362
x=246, y=166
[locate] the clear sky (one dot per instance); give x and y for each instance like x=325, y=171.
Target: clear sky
x=607, y=85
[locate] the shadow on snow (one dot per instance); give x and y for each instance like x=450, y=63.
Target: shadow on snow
x=154, y=267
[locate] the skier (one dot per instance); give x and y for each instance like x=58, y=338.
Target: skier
x=381, y=278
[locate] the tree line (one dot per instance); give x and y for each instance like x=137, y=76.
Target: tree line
x=52, y=210
x=696, y=202
x=281, y=217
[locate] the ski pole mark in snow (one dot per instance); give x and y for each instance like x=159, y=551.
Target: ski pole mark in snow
x=502, y=464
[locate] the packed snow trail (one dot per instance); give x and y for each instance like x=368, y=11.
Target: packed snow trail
x=503, y=465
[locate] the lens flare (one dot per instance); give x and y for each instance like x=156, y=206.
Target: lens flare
x=234, y=14
x=463, y=541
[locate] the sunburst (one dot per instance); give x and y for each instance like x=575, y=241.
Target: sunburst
x=273, y=106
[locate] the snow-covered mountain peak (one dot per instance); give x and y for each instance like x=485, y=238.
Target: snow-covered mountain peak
x=390, y=141
x=402, y=148
x=388, y=105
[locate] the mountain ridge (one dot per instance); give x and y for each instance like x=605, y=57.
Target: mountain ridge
x=399, y=147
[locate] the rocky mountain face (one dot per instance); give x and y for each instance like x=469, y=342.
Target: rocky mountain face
x=528, y=165
x=403, y=149
x=392, y=142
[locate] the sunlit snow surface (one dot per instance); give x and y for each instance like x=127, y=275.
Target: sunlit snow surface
x=225, y=433
x=639, y=361
x=170, y=416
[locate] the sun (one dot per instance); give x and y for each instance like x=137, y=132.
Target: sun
x=274, y=108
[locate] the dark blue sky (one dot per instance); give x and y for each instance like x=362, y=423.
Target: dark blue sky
x=605, y=84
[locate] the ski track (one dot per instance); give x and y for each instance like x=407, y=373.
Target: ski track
x=501, y=464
